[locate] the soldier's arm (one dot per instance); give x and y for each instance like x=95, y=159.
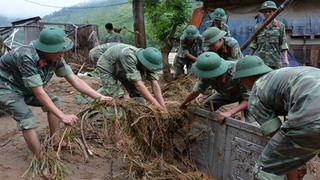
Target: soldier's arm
x=82, y=86
x=252, y=51
x=146, y=94
x=284, y=46
x=157, y=92
x=285, y=58
x=191, y=96
x=191, y=57
x=228, y=32
x=264, y=115
x=235, y=52
x=45, y=100
x=223, y=115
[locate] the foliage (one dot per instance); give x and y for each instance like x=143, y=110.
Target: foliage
x=166, y=19
x=161, y=15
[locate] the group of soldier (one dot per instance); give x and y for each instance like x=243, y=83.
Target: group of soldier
x=263, y=90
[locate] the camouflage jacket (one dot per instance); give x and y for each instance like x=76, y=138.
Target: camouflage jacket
x=189, y=48
x=113, y=37
x=96, y=52
x=292, y=92
x=269, y=43
x=22, y=68
x=230, y=49
x=1, y=45
x=121, y=61
x=223, y=26
x=224, y=84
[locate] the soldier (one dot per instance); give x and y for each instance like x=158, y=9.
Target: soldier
x=190, y=44
x=226, y=47
x=127, y=64
x=292, y=92
x=219, y=16
x=112, y=36
x=272, y=39
x=217, y=73
x=94, y=55
x=96, y=52
x=25, y=71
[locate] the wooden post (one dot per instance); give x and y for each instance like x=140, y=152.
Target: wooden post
x=138, y=23
x=265, y=23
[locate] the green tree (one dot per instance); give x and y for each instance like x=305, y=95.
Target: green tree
x=164, y=18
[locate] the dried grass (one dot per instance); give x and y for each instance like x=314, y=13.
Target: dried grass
x=156, y=146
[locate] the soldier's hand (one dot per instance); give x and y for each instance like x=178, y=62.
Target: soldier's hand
x=183, y=106
x=126, y=97
x=286, y=62
x=165, y=114
x=69, y=119
x=107, y=99
x=302, y=170
x=199, y=98
x=222, y=116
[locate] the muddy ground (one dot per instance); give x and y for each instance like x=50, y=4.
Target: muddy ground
x=15, y=155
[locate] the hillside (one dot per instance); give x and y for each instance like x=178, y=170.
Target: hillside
x=118, y=12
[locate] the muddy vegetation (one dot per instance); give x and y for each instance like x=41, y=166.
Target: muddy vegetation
x=157, y=146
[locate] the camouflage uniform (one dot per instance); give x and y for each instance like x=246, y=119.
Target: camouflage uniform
x=223, y=26
x=1, y=45
x=228, y=91
x=230, y=49
x=96, y=52
x=20, y=70
x=113, y=37
x=294, y=93
x=269, y=44
x=186, y=48
x=120, y=62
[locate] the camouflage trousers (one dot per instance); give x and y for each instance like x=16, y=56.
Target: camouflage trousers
x=287, y=150
x=16, y=105
x=112, y=86
x=178, y=65
x=217, y=100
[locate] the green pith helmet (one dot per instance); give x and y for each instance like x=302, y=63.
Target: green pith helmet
x=208, y=65
x=219, y=14
x=53, y=40
x=250, y=66
x=191, y=32
x=211, y=35
x=268, y=5
x=151, y=58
